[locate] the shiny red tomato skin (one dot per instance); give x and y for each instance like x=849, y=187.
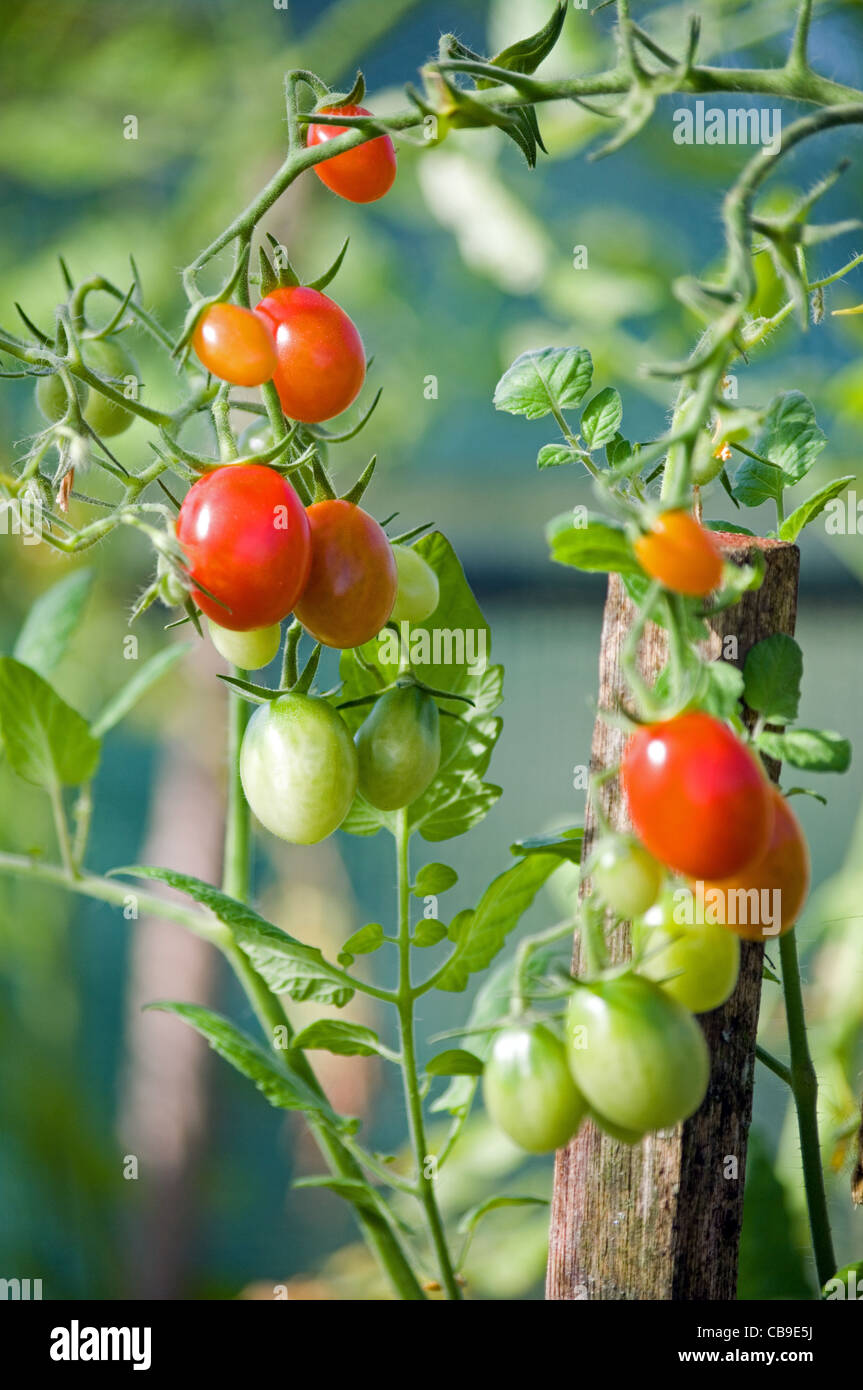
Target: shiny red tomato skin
x=698, y=798
x=245, y=534
x=784, y=868
x=235, y=345
x=353, y=579
x=361, y=175
x=321, y=362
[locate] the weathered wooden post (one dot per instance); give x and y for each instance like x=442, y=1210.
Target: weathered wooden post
x=662, y=1220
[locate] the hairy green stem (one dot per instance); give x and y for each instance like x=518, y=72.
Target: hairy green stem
x=410, y=1078
x=804, y=1085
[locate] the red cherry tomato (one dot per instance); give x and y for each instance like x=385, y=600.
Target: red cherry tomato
x=699, y=799
x=361, y=175
x=245, y=535
x=353, y=580
x=681, y=554
x=783, y=871
x=235, y=345
x=321, y=362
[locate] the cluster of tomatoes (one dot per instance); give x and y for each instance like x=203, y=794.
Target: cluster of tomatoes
x=256, y=554
x=633, y=1057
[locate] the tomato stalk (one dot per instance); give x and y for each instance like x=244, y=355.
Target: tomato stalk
x=410, y=1078
x=804, y=1087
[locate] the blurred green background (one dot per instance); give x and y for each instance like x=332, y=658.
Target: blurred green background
x=466, y=263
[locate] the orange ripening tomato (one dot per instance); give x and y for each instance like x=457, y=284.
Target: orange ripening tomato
x=681, y=554
x=235, y=345
x=699, y=799
x=361, y=175
x=784, y=870
x=353, y=580
x=321, y=363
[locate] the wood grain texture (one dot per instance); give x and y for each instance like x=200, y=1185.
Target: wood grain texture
x=662, y=1220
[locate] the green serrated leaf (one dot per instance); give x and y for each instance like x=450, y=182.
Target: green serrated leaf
x=282, y=1087
x=152, y=671
x=51, y=621
x=338, y=1036
x=601, y=418
x=756, y=482
x=813, y=750
x=812, y=507
x=454, y=1062
x=544, y=380
x=433, y=879
x=46, y=741
x=791, y=439
x=591, y=544
x=772, y=674
x=287, y=966
x=556, y=455
x=500, y=909
x=428, y=932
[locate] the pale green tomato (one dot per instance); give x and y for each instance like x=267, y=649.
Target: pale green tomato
x=249, y=650
x=51, y=396
x=108, y=358
x=625, y=876
x=298, y=765
x=624, y=1136
x=399, y=748
x=528, y=1091
x=638, y=1056
x=697, y=965
x=418, y=592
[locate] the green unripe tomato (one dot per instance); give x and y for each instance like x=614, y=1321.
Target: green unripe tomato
x=418, y=592
x=697, y=965
x=256, y=438
x=638, y=1056
x=399, y=748
x=625, y=876
x=298, y=766
x=624, y=1136
x=528, y=1091
x=249, y=650
x=51, y=396
x=108, y=358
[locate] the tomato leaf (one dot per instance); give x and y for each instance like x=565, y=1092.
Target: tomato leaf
x=338, y=1036
x=287, y=966
x=812, y=507
x=814, y=750
x=590, y=545
x=545, y=380
x=47, y=742
x=455, y=1062
x=433, y=879
x=565, y=843
x=527, y=54
x=756, y=482
x=51, y=621
x=556, y=455
x=282, y=1087
x=128, y=696
x=454, y=658
x=362, y=943
x=601, y=419
x=772, y=674
x=428, y=932
x=354, y=1190
x=500, y=909
x=791, y=440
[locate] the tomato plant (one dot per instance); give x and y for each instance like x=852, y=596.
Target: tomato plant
x=245, y=536
x=696, y=963
x=637, y=1055
x=399, y=748
x=235, y=345
x=299, y=768
x=361, y=175
x=697, y=796
x=320, y=359
x=352, y=582
x=781, y=874
x=528, y=1090
x=680, y=554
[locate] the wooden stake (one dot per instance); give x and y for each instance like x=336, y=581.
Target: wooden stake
x=661, y=1220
